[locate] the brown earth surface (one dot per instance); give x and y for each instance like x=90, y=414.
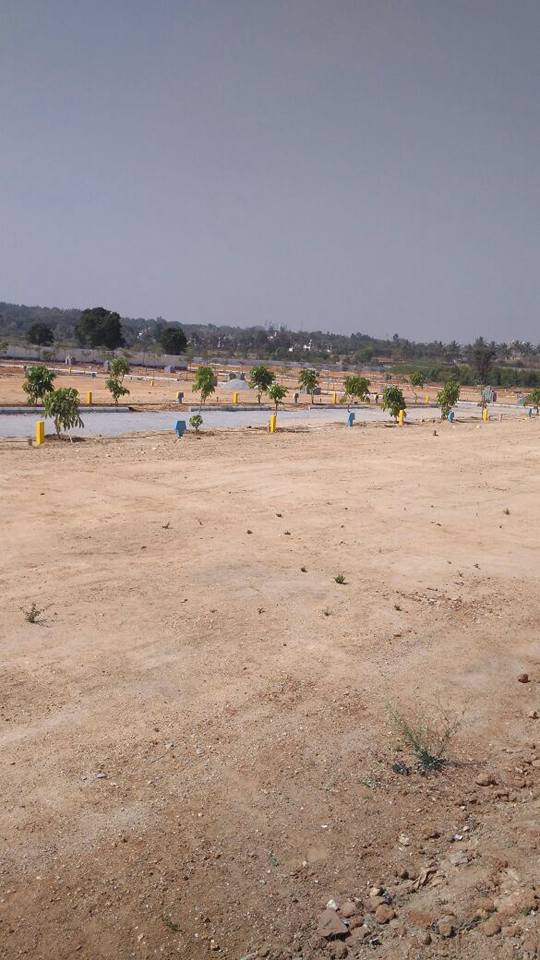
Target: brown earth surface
x=198, y=750
x=157, y=388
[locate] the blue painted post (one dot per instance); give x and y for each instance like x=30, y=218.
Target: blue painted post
x=351, y=418
x=180, y=428
x=451, y=416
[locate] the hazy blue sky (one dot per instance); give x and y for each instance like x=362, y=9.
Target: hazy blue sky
x=354, y=165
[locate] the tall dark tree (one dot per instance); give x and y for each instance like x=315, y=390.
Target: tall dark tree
x=481, y=357
x=99, y=327
x=40, y=334
x=173, y=340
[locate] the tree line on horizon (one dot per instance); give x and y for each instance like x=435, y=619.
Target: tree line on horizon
x=97, y=327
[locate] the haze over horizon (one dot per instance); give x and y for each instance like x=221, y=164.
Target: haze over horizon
x=355, y=165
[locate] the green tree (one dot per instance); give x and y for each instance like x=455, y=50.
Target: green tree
x=534, y=399
x=417, y=379
x=277, y=394
x=308, y=380
x=448, y=397
x=260, y=378
x=356, y=388
x=119, y=367
x=115, y=381
x=173, y=340
x=40, y=334
x=481, y=356
x=393, y=401
x=205, y=382
x=63, y=407
x=196, y=421
x=39, y=381
x=98, y=327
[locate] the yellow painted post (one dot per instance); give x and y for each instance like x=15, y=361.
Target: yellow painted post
x=40, y=433
x=151, y=383
x=334, y=397
x=89, y=398
x=426, y=398
x=235, y=397
x=272, y=426
x=401, y=417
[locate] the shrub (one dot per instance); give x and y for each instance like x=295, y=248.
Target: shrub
x=205, y=382
x=39, y=380
x=356, y=387
x=417, y=379
x=427, y=739
x=260, y=379
x=196, y=421
x=393, y=401
x=115, y=381
x=277, y=394
x=308, y=380
x=63, y=407
x=448, y=397
x=534, y=399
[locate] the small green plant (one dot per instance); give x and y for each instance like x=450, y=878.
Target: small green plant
x=115, y=381
x=308, y=380
x=205, y=383
x=63, y=407
x=448, y=397
x=260, y=379
x=277, y=394
x=534, y=399
x=427, y=739
x=33, y=614
x=393, y=401
x=340, y=578
x=417, y=379
x=39, y=381
x=116, y=388
x=356, y=388
x=196, y=421
x=170, y=923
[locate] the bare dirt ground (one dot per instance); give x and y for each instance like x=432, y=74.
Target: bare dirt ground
x=161, y=391
x=197, y=752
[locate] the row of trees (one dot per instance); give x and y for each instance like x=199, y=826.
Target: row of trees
x=98, y=327
x=63, y=405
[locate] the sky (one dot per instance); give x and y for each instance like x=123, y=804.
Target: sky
x=348, y=165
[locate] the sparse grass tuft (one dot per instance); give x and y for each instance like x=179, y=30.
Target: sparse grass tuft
x=33, y=614
x=506, y=511
x=340, y=578
x=427, y=739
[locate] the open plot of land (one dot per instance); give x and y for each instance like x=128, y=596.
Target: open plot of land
x=197, y=746
x=157, y=388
